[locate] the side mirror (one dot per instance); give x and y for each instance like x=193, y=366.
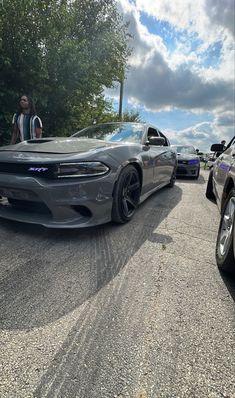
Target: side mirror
x=217, y=148
x=155, y=141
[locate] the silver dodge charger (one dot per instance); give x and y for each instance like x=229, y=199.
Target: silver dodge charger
x=221, y=188
x=97, y=175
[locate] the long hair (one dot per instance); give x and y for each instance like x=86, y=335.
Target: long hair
x=32, y=110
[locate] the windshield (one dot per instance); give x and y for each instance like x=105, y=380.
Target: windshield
x=186, y=149
x=130, y=132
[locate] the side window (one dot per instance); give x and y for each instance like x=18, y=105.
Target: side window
x=152, y=132
x=167, y=143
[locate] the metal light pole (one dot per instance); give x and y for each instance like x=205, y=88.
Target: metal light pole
x=120, y=100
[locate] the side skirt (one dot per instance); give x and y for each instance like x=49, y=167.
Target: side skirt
x=147, y=194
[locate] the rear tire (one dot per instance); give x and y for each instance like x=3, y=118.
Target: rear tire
x=209, y=189
x=126, y=195
x=225, y=245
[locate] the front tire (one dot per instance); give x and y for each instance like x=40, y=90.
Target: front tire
x=126, y=195
x=172, y=180
x=198, y=174
x=225, y=245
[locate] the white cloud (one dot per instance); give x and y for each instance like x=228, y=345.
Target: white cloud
x=221, y=13
x=159, y=79
x=144, y=44
x=208, y=18
x=177, y=77
x=158, y=87
x=203, y=135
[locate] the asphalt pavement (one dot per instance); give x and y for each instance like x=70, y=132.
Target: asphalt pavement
x=138, y=310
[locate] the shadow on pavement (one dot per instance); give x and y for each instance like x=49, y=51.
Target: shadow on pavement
x=189, y=180
x=54, y=271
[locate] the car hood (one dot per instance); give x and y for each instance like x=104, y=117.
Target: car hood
x=59, y=145
x=181, y=156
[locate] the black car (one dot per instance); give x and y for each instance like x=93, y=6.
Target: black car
x=221, y=188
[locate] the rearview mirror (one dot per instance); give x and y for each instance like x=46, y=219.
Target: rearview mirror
x=155, y=141
x=217, y=148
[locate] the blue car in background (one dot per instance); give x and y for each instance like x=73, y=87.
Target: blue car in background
x=221, y=188
x=188, y=161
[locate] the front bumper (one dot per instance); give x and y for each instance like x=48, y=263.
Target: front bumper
x=57, y=204
x=187, y=170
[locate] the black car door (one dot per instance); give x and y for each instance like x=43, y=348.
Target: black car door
x=222, y=167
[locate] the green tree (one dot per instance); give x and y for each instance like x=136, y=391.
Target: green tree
x=63, y=54
x=131, y=116
x=128, y=116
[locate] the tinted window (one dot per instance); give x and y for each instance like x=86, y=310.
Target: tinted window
x=185, y=149
x=130, y=132
x=167, y=142
x=152, y=132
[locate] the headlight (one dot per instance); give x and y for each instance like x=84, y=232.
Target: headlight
x=81, y=169
x=193, y=162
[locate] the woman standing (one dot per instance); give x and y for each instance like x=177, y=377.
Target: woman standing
x=26, y=124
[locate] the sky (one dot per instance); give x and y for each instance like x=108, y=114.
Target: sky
x=181, y=74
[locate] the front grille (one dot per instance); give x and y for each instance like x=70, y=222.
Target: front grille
x=34, y=169
x=182, y=162
x=181, y=171
x=21, y=194
x=30, y=206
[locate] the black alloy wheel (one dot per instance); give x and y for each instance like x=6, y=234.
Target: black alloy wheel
x=225, y=245
x=126, y=195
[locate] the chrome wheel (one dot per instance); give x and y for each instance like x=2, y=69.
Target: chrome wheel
x=226, y=228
